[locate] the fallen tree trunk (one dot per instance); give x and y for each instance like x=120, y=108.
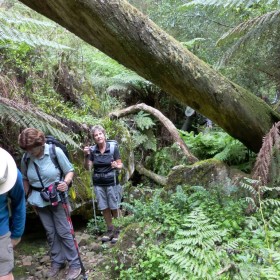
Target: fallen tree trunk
x=165, y=122
x=161, y=180
x=122, y=32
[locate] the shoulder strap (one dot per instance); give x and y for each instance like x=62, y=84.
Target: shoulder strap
x=38, y=173
x=53, y=156
x=112, y=148
x=26, y=161
x=112, y=144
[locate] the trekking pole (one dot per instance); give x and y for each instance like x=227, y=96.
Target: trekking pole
x=116, y=192
x=93, y=202
x=67, y=213
x=93, y=197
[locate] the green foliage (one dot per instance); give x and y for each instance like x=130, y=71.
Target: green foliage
x=193, y=255
x=164, y=159
x=230, y=3
x=219, y=145
x=27, y=117
x=143, y=121
x=96, y=227
x=16, y=29
x=142, y=133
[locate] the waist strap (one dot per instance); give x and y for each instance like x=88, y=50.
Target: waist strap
x=37, y=189
x=104, y=175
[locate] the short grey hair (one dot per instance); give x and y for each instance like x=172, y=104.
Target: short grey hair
x=98, y=127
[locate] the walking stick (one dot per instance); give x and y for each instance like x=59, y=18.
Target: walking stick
x=93, y=203
x=93, y=196
x=67, y=213
x=116, y=192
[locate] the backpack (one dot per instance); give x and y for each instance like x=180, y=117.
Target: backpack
x=53, y=142
x=113, y=145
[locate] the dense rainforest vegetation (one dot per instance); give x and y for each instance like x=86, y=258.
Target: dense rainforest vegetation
x=175, y=226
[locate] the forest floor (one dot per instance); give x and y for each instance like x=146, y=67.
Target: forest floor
x=32, y=260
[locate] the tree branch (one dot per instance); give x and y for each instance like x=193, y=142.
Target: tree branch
x=164, y=120
x=161, y=180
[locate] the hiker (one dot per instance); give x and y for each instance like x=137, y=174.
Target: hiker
x=11, y=228
x=107, y=189
x=40, y=173
x=194, y=120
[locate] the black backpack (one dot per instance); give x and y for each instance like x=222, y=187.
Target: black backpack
x=113, y=144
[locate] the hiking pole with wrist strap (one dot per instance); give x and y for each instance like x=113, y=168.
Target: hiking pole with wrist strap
x=93, y=201
x=67, y=213
x=93, y=195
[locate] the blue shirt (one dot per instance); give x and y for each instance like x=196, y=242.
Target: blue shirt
x=48, y=172
x=18, y=211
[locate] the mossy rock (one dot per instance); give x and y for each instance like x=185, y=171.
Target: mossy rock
x=206, y=173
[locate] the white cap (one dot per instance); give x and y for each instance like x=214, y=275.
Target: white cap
x=8, y=171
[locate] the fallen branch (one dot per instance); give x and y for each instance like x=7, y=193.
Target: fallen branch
x=164, y=120
x=161, y=180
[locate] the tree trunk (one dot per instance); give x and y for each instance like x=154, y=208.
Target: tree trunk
x=123, y=33
x=161, y=180
x=164, y=120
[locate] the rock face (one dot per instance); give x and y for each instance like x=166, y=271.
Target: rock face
x=205, y=173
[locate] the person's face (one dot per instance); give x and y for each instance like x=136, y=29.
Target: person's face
x=36, y=151
x=98, y=137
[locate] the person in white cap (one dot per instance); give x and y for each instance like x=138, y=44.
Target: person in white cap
x=12, y=222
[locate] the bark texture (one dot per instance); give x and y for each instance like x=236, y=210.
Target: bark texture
x=123, y=33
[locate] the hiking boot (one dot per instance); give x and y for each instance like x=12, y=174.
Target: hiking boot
x=108, y=236
x=73, y=273
x=53, y=271
x=115, y=237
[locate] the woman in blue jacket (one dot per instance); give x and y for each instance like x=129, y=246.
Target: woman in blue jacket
x=11, y=228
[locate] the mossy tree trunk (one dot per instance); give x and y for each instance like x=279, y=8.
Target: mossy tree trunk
x=123, y=33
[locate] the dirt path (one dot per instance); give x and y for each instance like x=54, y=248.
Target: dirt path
x=32, y=260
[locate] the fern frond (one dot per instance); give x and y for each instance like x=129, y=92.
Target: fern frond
x=270, y=273
x=12, y=29
x=262, y=166
x=143, y=120
x=275, y=219
x=228, y=3
x=251, y=202
x=255, y=26
x=248, y=184
x=193, y=254
x=24, y=116
x=247, y=31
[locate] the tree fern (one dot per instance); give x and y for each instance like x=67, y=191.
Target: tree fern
x=229, y=3
x=254, y=29
x=24, y=116
x=271, y=144
x=12, y=30
x=193, y=255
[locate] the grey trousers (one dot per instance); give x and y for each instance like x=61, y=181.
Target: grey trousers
x=59, y=237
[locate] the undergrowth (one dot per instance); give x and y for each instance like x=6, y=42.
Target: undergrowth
x=194, y=233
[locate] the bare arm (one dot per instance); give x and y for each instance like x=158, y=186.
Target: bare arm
x=87, y=162
x=117, y=164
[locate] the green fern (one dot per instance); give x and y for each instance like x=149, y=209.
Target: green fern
x=23, y=116
x=143, y=120
x=193, y=255
x=270, y=273
x=16, y=28
x=229, y=3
